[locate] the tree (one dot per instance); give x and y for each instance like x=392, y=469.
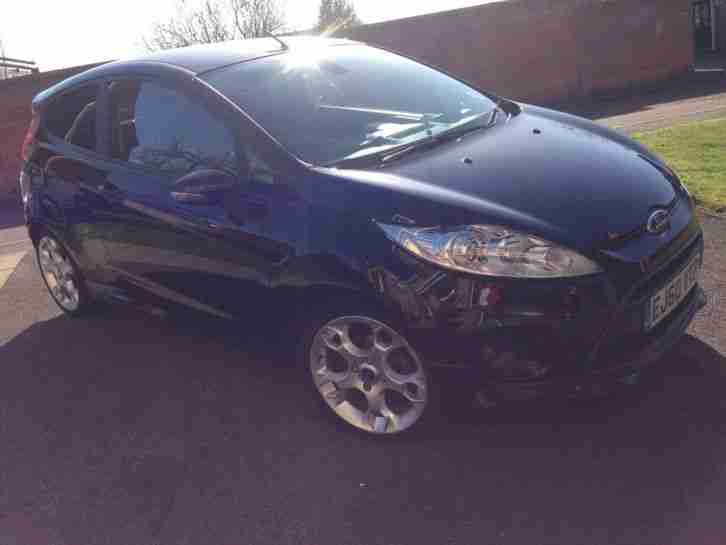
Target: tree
x=3, y=70
x=334, y=15
x=216, y=21
x=257, y=18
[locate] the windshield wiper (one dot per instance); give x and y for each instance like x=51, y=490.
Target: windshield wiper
x=446, y=136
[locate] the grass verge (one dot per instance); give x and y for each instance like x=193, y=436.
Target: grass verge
x=697, y=151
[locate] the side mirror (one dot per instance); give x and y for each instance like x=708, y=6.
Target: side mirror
x=206, y=186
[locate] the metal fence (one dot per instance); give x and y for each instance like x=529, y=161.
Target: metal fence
x=12, y=68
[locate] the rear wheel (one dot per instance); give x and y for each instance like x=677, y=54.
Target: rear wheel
x=61, y=276
x=367, y=373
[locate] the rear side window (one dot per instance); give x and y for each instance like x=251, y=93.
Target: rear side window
x=160, y=129
x=72, y=117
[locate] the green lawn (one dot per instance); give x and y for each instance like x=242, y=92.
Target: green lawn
x=697, y=152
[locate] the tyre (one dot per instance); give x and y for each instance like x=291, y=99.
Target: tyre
x=365, y=370
x=62, y=277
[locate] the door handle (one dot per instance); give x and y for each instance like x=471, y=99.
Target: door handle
x=109, y=191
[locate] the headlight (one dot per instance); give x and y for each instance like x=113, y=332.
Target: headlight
x=491, y=251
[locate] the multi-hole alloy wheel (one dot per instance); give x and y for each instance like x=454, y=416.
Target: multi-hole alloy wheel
x=60, y=275
x=368, y=374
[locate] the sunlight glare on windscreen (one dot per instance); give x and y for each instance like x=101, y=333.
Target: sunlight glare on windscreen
x=302, y=57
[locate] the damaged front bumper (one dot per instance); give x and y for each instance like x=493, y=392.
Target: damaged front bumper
x=607, y=372
x=523, y=339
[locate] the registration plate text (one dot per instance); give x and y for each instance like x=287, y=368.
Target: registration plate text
x=667, y=299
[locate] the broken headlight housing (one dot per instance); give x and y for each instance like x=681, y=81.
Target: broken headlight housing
x=490, y=250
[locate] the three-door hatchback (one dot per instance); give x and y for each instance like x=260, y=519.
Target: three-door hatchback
x=409, y=224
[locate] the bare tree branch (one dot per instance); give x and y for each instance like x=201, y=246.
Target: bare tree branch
x=4, y=72
x=256, y=18
x=216, y=21
x=335, y=15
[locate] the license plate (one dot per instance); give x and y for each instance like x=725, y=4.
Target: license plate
x=668, y=298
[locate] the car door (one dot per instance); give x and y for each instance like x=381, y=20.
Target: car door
x=213, y=254
x=66, y=174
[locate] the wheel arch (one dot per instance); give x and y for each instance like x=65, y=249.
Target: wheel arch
x=332, y=294
x=36, y=229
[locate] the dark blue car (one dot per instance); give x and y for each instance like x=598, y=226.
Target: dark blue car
x=409, y=224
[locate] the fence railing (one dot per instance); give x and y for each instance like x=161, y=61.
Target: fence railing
x=12, y=68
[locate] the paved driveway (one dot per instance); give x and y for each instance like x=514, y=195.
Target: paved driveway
x=682, y=102
x=128, y=429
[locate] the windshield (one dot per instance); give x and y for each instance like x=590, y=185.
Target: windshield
x=328, y=104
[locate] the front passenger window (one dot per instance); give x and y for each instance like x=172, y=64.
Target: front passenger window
x=160, y=129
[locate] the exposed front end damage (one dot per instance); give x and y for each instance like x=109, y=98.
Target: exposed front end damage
x=526, y=338
x=510, y=329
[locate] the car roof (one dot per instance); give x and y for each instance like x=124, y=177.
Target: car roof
x=197, y=59
x=206, y=57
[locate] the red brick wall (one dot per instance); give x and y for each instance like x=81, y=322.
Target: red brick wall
x=548, y=50
x=624, y=43
x=11, y=135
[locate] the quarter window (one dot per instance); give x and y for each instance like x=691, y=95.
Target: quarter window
x=72, y=117
x=161, y=129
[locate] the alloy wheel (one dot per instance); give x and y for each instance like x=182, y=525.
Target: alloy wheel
x=368, y=374
x=59, y=274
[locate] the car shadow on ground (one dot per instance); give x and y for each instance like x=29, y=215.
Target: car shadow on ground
x=11, y=214
x=128, y=417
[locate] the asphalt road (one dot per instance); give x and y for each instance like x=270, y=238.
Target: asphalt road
x=129, y=429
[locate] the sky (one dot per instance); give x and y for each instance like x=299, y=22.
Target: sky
x=60, y=33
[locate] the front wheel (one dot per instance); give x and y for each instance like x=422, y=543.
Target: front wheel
x=367, y=372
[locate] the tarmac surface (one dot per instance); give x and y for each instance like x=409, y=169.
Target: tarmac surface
x=126, y=429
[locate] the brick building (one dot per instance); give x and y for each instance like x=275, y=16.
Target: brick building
x=549, y=50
